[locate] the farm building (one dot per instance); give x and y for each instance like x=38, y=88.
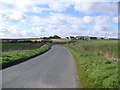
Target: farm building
x=72, y=37
x=99, y=37
x=82, y=37
x=93, y=37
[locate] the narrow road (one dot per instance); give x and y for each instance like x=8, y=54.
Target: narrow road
x=53, y=69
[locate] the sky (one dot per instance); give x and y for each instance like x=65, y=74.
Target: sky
x=38, y=18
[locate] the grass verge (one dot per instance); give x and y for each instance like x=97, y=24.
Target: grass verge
x=12, y=58
x=93, y=71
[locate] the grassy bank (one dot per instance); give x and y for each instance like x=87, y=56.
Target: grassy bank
x=103, y=48
x=14, y=57
x=93, y=71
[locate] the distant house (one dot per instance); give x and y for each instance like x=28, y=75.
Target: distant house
x=103, y=38
x=93, y=37
x=82, y=37
x=71, y=37
x=99, y=37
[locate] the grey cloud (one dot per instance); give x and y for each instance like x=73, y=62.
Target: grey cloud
x=13, y=17
x=103, y=28
x=92, y=7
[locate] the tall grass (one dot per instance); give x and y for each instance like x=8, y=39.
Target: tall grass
x=93, y=71
x=104, y=48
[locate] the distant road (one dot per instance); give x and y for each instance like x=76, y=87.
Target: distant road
x=53, y=69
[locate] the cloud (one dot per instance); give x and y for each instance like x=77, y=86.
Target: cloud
x=15, y=31
x=116, y=19
x=36, y=20
x=39, y=29
x=15, y=16
x=92, y=7
x=22, y=6
x=16, y=13
x=59, y=6
x=59, y=18
x=87, y=19
x=101, y=20
x=102, y=33
x=51, y=27
x=58, y=23
x=102, y=28
x=78, y=27
x=93, y=20
x=11, y=31
x=105, y=30
x=83, y=7
x=33, y=6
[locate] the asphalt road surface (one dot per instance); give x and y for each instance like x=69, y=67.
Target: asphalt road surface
x=53, y=69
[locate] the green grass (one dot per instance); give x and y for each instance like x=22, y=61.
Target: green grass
x=105, y=48
x=14, y=57
x=93, y=71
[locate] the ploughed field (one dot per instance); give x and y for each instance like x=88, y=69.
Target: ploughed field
x=14, y=53
x=20, y=46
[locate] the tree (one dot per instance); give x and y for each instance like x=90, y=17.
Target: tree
x=67, y=37
x=56, y=37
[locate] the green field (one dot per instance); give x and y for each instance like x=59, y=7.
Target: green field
x=19, y=52
x=94, y=71
x=20, y=46
x=103, y=48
